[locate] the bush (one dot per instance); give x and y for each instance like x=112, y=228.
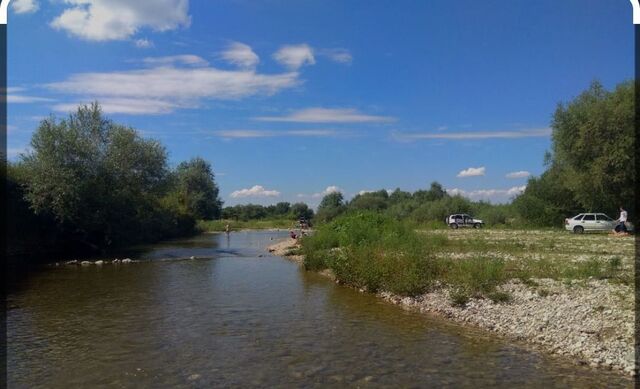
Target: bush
x=375, y=252
x=476, y=276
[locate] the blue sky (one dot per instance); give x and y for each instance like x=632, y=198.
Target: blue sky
x=292, y=99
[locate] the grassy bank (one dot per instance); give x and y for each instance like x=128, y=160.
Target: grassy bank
x=220, y=225
x=377, y=253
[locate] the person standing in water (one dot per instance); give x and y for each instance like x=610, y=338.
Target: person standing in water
x=227, y=229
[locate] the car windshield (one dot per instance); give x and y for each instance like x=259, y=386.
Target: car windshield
x=602, y=216
x=579, y=217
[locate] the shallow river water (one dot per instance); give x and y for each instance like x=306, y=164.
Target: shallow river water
x=238, y=317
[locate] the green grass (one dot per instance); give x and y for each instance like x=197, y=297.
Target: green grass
x=377, y=253
x=235, y=225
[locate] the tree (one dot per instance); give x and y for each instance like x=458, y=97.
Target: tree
x=331, y=206
x=198, y=189
x=94, y=176
x=593, y=147
x=301, y=210
x=374, y=201
x=591, y=166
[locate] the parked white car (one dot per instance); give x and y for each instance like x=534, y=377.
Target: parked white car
x=459, y=220
x=589, y=222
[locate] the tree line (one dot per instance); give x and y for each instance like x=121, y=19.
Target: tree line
x=281, y=210
x=91, y=184
x=590, y=168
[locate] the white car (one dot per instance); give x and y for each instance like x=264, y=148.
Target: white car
x=458, y=220
x=589, y=222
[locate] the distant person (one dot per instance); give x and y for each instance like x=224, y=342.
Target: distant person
x=227, y=229
x=622, y=220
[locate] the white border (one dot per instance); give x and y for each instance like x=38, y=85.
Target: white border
x=3, y=11
x=635, y=4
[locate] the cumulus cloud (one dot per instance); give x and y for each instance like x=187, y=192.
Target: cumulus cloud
x=172, y=82
x=240, y=55
x=518, y=174
x=531, y=133
x=104, y=20
x=496, y=195
x=143, y=43
x=295, y=56
x=472, y=172
x=24, y=6
x=254, y=191
x=328, y=190
x=326, y=115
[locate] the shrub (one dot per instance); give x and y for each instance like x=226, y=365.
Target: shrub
x=375, y=252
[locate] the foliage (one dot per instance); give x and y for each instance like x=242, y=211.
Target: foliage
x=330, y=207
x=591, y=167
x=235, y=225
x=372, y=251
x=100, y=184
x=197, y=189
x=282, y=210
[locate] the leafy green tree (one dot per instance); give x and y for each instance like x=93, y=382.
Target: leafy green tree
x=593, y=147
x=592, y=163
x=331, y=206
x=198, y=189
x=301, y=210
x=94, y=176
x=374, y=201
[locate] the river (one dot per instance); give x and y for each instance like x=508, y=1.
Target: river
x=237, y=316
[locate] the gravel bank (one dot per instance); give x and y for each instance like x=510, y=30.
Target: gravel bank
x=590, y=321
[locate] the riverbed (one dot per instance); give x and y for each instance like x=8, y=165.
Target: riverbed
x=236, y=316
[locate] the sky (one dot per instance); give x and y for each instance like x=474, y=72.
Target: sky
x=291, y=100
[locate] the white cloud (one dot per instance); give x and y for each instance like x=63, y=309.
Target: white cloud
x=164, y=88
x=442, y=128
x=337, y=55
x=328, y=190
x=247, y=134
x=516, y=190
x=518, y=174
x=536, y=132
x=255, y=191
x=496, y=195
x=295, y=56
x=185, y=59
x=143, y=43
x=24, y=6
x=15, y=95
x=240, y=55
x=472, y=172
x=326, y=115
x=103, y=20
x=128, y=106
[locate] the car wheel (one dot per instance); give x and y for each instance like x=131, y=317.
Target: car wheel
x=454, y=226
x=578, y=230
x=477, y=225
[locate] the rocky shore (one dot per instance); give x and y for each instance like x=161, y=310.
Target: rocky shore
x=591, y=322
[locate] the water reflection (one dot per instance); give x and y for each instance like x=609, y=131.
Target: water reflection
x=244, y=320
